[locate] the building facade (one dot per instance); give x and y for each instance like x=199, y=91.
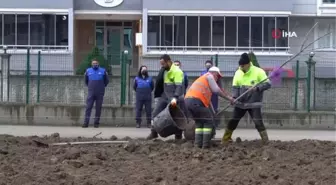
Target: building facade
x=65, y=31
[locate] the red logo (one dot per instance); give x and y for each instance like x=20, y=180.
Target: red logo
x=276, y=33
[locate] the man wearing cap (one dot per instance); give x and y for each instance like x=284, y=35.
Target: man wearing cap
x=214, y=97
x=245, y=78
x=198, y=102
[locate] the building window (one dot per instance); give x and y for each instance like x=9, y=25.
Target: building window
x=216, y=33
x=9, y=29
x=1, y=21
x=38, y=31
x=329, y=2
x=329, y=41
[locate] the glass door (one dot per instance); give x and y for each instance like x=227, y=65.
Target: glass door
x=114, y=45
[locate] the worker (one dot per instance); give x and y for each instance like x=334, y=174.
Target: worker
x=143, y=86
x=185, y=79
x=172, y=92
x=198, y=102
x=245, y=78
x=96, y=80
x=214, y=97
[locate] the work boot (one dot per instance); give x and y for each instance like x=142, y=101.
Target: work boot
x=206, y=140
x=264, y=136
x=152, y=135
x=227, y=136
x=178, y=136
x=138, y=125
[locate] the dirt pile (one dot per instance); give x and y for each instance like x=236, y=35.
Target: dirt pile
x=166, y=163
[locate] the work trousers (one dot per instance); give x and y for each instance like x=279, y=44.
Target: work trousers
x=93, y=99
x=139, y=104
x=255, y=114
x=160, y=105
x=204, y=121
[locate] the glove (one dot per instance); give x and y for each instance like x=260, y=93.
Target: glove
x=232, y=101
x=173, y=102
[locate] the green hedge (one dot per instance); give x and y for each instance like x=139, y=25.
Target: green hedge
x=86, y=63
x=253, y=59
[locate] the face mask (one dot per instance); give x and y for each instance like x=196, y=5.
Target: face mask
x=144, y=72
x=208, y=66
x=95, y=66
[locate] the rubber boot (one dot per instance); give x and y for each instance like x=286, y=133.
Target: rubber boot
x=264, y=136
x=206, y=140
x=198, y=137
x=227, y=136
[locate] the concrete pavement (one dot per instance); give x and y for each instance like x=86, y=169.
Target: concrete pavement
x=107, y=132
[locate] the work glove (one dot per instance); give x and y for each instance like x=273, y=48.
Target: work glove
x=232, y=101
x=173, y=102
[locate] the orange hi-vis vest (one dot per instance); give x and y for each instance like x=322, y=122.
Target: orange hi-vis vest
x=200, y=89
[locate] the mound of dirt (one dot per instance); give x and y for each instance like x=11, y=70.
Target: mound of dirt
x=157, y=162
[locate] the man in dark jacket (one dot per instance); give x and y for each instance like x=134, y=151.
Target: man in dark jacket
x=214, y=97
x=96, y=80
x=143, y=86
x=185, y=80
x=171, y=89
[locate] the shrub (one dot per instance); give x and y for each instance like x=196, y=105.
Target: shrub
x=86, y=63
x=253, y=59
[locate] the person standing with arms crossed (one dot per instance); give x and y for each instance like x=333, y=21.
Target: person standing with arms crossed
x=198, y=102
x=172, y=92
x=245, y=78
x=185, y=80
x=96, y=80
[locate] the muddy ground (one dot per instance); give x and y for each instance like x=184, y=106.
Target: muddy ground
x=304, y=162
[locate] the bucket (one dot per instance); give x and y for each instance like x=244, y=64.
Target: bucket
x=170, y=120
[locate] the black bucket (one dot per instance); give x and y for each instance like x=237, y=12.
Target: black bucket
x=169, y=121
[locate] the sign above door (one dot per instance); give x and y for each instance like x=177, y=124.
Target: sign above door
x=108, y=3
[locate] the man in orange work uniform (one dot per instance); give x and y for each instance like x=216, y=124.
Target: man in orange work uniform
x=198, y=102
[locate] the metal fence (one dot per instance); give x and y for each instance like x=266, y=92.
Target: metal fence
x=46, y=77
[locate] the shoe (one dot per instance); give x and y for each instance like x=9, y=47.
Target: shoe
x=138, y=125
x=85, y=125
x=178, y=137
x=264, y=136
x=96, y=125
x=149, y=125
x=227, y=136
x=152, y=135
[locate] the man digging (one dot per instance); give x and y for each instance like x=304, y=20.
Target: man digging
x=245, y=78
x=198, y=102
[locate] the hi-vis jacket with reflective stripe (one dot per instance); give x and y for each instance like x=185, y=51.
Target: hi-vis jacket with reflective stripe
x=201, y=90
x=173, y=82
x=243, y=81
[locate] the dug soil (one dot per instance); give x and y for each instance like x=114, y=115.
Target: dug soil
x=24, y=161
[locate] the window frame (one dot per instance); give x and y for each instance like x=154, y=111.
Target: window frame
x=35, y=48
x=316, y=35
x=218, y=49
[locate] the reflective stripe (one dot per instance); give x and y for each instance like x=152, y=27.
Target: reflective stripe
x=198, y=130
x=207, y=130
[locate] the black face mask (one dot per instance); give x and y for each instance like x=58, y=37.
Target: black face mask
x=95, y=66
x=144, y=72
